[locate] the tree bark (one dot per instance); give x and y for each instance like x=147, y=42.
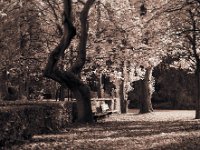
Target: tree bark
x=82, y=95
x=123, y=100
x=193, y=41
x=70, y=78
x=146, y=105
x=198, y=90
x=3, y=85
x=100, y=91
x=60, y=93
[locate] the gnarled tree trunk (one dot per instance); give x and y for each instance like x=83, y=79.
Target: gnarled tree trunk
x=70, y=78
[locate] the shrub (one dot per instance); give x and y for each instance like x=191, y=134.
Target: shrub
x=21, y=120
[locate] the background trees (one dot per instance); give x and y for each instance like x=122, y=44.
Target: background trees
x=185, y=19
x=28, y=34
x=127, y=39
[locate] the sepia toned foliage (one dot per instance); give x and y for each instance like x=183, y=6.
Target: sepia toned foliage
x=126, y=40
x=184, y=27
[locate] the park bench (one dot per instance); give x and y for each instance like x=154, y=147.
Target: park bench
x=103, y=107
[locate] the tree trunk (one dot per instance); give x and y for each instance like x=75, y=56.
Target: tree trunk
x=82, y=94
x=118, y=101
x=62, y=93
x=193, y=41
x=3, y=85
x=100, y=91
x=123, y=101
x=197, y=116
x=146, y=105
x=70, y=78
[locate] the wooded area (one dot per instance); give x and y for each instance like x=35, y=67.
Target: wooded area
x=81, y=61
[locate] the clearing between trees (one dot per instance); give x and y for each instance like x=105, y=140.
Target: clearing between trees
x=162, y=129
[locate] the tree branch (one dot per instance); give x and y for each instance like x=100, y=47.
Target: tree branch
x=69, y=33
x=81, y=58
x=52, y=70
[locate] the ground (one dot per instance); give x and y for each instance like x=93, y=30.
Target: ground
x=169, y=129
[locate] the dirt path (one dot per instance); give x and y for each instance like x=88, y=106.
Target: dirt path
x=158, y=130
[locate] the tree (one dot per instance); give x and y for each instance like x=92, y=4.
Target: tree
x=193, y=40
x=128, y=39
x=70, y=77
x=25, y=42
x=185, y=22
x=18, y=41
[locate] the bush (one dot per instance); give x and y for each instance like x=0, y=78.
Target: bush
x=21, y=120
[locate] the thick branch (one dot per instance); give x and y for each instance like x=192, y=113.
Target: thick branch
x=81, y=58
x=193, y=39
x=68, y=8
x=187, y=31
x=52, y=71
x=69, y=33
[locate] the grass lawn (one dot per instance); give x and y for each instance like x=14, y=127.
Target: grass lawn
x=170, y=129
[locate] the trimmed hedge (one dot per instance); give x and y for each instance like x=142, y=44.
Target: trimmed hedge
x=21, y=120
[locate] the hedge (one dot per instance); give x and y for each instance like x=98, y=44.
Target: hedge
x=21, y=120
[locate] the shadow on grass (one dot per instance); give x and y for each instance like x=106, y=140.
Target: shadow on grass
x=186, y=143
x=119, y=129
x=113, y=130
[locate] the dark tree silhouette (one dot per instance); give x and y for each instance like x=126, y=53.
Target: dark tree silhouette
x=193, y=41
x=70, y=78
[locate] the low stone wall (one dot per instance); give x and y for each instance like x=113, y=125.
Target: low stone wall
x=21, y=120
